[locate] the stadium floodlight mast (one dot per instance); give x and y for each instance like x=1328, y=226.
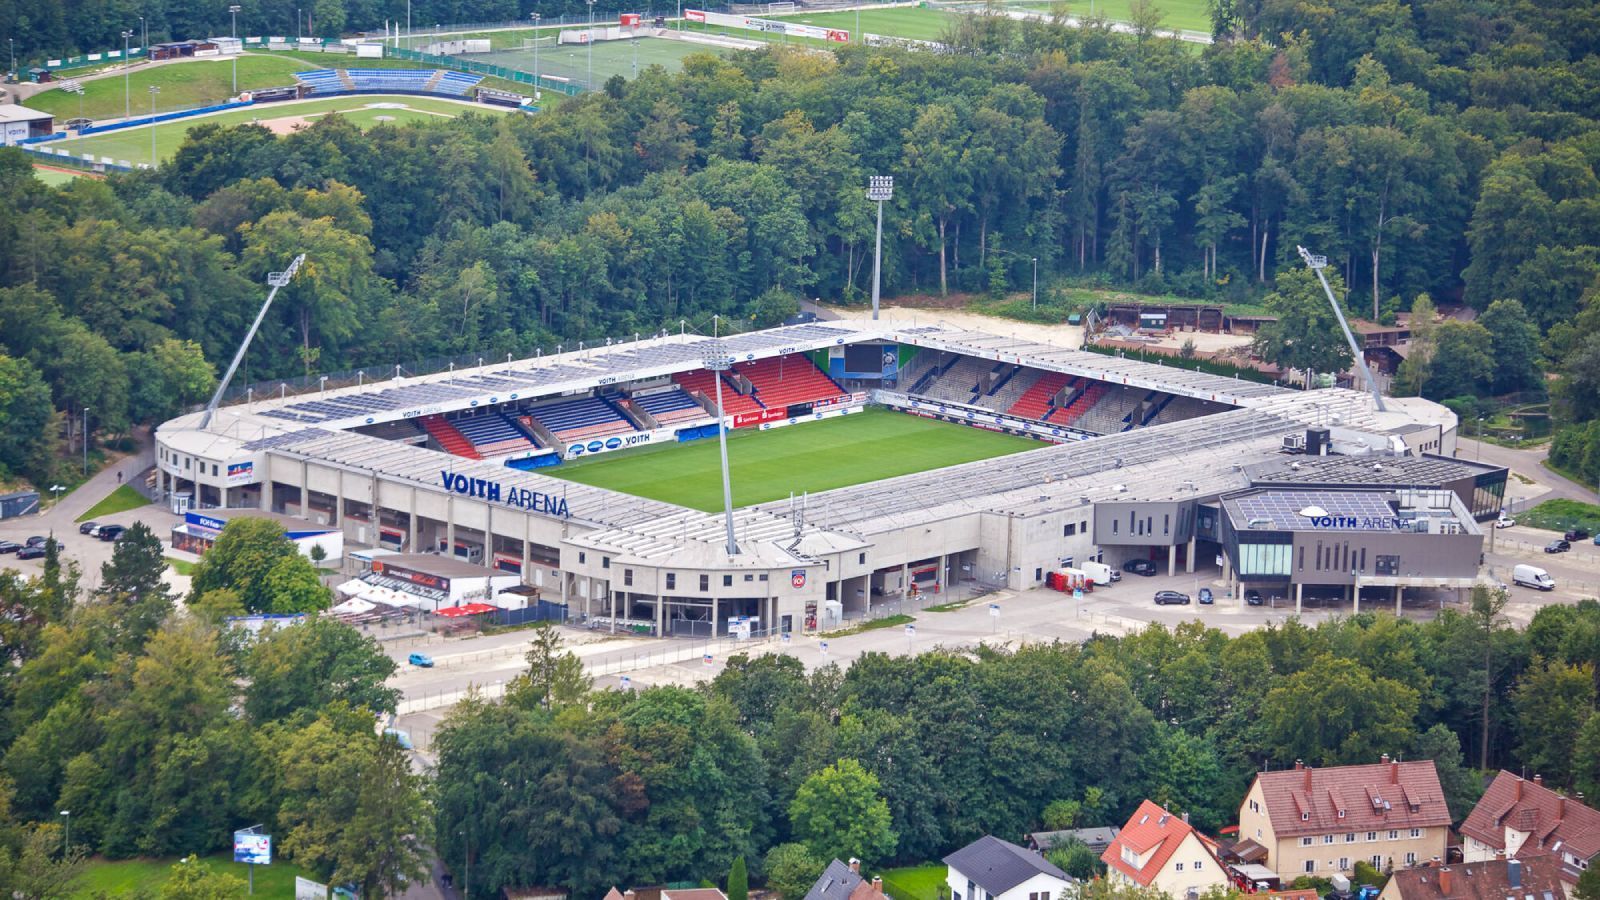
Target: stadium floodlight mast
x=879, y=188
x=718, y=361
x=127, y=91
x=233, y=11
x=1317, y=263
x=153, y=92
x=276, y=280
x=536, y=17
x=589, y=40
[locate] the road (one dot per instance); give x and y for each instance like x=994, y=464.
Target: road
x=1529, y=462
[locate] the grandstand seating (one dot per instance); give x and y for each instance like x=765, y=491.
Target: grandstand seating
x=456, y=84
x=581, y=419
x=733, y=402
x=670, y=407
x=1037, y=401
x=453, y=441
x=492, y=434
x=321, y=81
x=960, y=382
x=1072, y=412
x=414, y=81
x=783, y=380
x=1013, y=385
x=390, y=79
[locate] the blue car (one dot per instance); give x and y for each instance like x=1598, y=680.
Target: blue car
x=420, y=659
x=1205, y=596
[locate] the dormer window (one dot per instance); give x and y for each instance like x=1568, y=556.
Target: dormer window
x=1305, y=817
x=1341, y=813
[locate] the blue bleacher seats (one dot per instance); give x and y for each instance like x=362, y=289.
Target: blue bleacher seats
x=583, y=417
x=493, y=434
x=456, y=83
x=332, y=81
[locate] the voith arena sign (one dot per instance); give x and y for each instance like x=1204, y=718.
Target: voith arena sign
x=492, y=491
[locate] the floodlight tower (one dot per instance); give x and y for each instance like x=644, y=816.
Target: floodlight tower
x=1317, y=263
x=127, y=92
x=718, y=361
x=233, y=12
x=276, y=280
x=879, y=188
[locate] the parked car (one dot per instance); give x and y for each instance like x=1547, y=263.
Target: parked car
x=1140, y=567
x=110, y=532
x=1163, y=598
x=1252, y=597
x=35, y=541
x=403, y=738
x=9, y=546
x=1504, y=521
x=1557, y=547
x=30, y=553
x=88, y=527
x=422, y=660
x=1576, y=534
x=1205, y=597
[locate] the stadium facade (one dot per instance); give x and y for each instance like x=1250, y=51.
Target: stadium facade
x=1192, y=471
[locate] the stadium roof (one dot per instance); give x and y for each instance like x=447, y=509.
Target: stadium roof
x=1280, y=510
x=1401, y=471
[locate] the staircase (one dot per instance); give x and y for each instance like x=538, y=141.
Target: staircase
x=433, y=81
x=344, y=79
x=453, y=441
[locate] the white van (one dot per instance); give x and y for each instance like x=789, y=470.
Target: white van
x=1534, y=577
x=1100, y=573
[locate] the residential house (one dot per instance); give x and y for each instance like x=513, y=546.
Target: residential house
x=1521, y=818
x=843, y=881
x=1096, y=839
x=1157, y=849
x=992, y=869
x=1538, y=877
x=1321, y=821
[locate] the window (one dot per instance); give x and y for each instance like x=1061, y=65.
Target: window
x=1416, y=832
x=1040, y=895
x=1341, y=815
x=1327, y=839
x=1069, y=529
x=1038, y=574
x=1113, y=526
x=605, y=562
x=1305, y=842
x=763, y=576
x=861, y=559
x=1376, y=860
x=1350, y=838
x=749, y=578
x=672, y=581
x=1311, y=866
x=727, y=581
x=1394, y=835
x=1305, y=817
x=1178, y=867
x=1372, y=835
x=1344, y=863
x=627, y=577
x=580, y=556
x=1197, y=864
x=1411, y=859
x=705, y=582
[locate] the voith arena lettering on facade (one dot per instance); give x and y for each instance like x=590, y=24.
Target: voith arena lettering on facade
x=494, y=492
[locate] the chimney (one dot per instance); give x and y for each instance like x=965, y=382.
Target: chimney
x=1384, y=758
x=1519, y=789
x=1298, y=765
x=877, y=886
x=1308, y=779
x=1444, y=881
x=1514, y=873
x=1394, y=772
x=1539, y=780
x=1561, y=807
x=855, y=865
x=1185, y=818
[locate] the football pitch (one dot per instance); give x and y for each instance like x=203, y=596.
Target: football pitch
x=366, y=110
x=571, y=61
x=769, y=465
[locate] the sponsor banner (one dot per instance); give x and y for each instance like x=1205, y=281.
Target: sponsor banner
x=694, y=15
x=796, y=410
x=421, y=579
x=814, y=416
x=745, y=420
x=577, y=449
x=855, y=399
x=306, y=889
x=241, y=472
x=255, y=849
x=768, y=26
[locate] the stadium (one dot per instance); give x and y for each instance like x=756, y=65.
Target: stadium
x=868, y=460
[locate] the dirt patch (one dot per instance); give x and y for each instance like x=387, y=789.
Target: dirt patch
x=285, y=124
x=1070, y=336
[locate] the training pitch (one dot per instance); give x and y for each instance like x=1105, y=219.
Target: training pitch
x=811, y=457
x=572, y=61
x=366, y=110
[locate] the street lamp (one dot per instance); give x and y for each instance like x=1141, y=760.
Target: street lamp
x=536, y=17
x=127, y=92
x=718, y=361
x=57, y=489
x=879, y=188
x=85, y=439
x=590, y=42
x=233, y=11
x=153, y=92
x=13, y=69
x=66, y=839
x=1036, y=284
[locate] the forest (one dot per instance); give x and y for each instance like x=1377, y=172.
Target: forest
x=1442, y=151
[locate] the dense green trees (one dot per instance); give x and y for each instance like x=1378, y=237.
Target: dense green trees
x=253, y=558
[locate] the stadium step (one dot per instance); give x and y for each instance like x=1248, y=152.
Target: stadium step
x=453, y=441
x=344, y=79
x=433, y=81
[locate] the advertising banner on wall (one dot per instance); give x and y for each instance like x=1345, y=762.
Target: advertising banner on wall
x=769, y=26
x=577, y=449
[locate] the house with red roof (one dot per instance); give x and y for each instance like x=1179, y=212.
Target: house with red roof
x=1320, y=822
x=1521, y=818
x=1160, y=850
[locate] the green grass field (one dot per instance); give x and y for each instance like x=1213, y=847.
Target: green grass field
x=54, y=177
x=122, y=499
x=914, y=883
x=111, y=879
x=816, y=456
x=133, y=144
x=1562, y=515
x=912, y=22
x=183, y=86
x=571, y=61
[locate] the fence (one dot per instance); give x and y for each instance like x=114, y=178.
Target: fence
x=92, y=59
x=87, y=162
x=477, y=68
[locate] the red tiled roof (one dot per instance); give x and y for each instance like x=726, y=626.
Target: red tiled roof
x=1373, y=797
x=1531, y=807
x=1151, y=830
x=1302, y=894
x=1539, y=878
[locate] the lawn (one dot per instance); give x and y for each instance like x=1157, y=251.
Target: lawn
x=133, y=144
x=815, y=456
x=200, y=82
x=571, y=61
x=914, y=883
x=55, y=177
x=903, y=22
x=181, y=566
x=1562, y=515
x=122, y=499
x=111, y=879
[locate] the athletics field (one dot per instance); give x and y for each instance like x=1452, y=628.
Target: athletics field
x=810, y=457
